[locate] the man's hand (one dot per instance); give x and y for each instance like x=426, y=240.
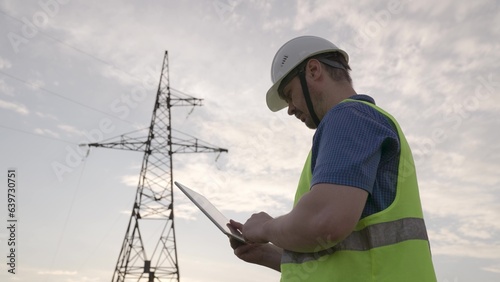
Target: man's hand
x=254, y=229
x=262, y=254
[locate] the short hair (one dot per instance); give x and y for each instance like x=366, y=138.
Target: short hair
x=337, y=74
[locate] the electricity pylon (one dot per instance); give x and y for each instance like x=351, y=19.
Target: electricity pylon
x=149, y=250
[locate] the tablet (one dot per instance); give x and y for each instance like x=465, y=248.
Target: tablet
x=211, y=212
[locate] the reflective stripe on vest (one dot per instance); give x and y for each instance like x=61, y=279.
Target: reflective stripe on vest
x=373, y=236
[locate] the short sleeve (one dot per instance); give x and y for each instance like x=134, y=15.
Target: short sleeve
x=348, y=146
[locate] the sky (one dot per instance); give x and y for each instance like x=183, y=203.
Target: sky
x=75, y=72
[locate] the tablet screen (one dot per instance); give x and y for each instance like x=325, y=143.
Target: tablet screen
x=210, y=211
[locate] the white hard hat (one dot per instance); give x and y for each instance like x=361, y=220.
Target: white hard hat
x=291, y=55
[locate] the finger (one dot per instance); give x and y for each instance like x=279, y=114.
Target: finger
x=235, y=244
x=236, y=224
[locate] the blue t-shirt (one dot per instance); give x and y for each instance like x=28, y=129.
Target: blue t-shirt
x=355, y=145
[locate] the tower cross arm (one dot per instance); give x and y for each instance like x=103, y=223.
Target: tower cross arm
x=176, y=102
x=124, y=143
x=195, y=147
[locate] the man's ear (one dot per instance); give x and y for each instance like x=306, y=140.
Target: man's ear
x=314, y=69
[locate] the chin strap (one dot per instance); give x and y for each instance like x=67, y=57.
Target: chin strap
x=307, y=97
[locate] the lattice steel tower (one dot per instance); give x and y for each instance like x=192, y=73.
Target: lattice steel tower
x=149, y=250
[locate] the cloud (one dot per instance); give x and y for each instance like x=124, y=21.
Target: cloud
x=492, y=268
x=57, y=272
x=16, y=107
x=447, y=199
x=480, y=251
x=71, y=129
x=458, y=167
x=46, y=115
x=141, y=78
x=185, y=209
x=276, y=24
x=462, y=219
x=35, y=84
x=84, y=279
x=6, y=89
x=446, y=242
x=230, y=190
x=5, y=64
x=130, y=180
x=48, y=132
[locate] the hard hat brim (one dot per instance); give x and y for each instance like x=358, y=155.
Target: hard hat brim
x=273, y=99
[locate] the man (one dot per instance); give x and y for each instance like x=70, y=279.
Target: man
x=357, y=214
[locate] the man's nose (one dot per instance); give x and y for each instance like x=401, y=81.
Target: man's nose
x=291, y=109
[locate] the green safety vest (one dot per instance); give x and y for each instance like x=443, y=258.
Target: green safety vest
x=388, y=246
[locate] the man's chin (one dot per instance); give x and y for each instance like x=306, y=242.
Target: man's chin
x=310, y=124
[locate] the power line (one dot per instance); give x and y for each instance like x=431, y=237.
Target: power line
x=68, y=215
x=176, y=91
x=88, y=54
x=80, y=104
x=53, y=38
x=62, y=96
x=37, y=135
